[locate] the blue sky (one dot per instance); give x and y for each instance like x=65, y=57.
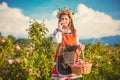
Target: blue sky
x=34, y=8
x=92, y=19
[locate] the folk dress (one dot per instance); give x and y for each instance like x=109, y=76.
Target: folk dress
x=70, y=54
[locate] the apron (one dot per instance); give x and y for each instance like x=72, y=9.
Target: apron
x=65, y=57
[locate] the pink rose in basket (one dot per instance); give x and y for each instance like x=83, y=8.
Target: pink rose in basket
x=74, y=64
x=86, y=62
x=77, y=63
x=81, y=62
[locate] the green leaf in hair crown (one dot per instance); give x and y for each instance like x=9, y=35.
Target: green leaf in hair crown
x=64, y=11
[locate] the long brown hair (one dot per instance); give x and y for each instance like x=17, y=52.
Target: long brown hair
x=62, y=45
x=70, y=24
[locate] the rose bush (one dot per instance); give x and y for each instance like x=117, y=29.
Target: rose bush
x=105, y=60
x=35, y=60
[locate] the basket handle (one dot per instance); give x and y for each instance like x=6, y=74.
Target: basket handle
x=83, y=54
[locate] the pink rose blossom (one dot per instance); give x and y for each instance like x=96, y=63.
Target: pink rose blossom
x=97, y=65
x=38, y=72
x=18, y=47
x=86, y=63
x=30, y=71
x=10, y=61
x=3, y=41
x=68, y=12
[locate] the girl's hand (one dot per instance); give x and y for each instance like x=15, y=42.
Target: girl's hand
x=61, y=24
x=82, y=47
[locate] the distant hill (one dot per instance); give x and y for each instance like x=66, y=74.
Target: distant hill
x=106, y=40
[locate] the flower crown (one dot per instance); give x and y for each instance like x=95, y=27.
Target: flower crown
x=64, y=11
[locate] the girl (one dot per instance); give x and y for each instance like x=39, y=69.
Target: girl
x=69, y=48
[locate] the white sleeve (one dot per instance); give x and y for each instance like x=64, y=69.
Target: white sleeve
x=57, y=35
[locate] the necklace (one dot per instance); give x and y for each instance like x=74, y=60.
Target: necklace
x=67, y=30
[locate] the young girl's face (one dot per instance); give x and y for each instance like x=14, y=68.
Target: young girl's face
x=65, y=20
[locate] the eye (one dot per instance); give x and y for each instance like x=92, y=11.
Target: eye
x=62, y=19
x=66, y=18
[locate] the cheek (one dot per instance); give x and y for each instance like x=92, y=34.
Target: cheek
x=67, y=22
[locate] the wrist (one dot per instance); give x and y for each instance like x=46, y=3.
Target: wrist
x=59, y=30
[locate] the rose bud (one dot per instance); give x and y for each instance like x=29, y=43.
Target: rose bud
x=38, y=72
x=3, y=41
x=10, y=61
x=18, y=47
x=30, y=71
x=96, y=65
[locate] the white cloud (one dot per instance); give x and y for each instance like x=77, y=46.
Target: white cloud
x=91, y=23
x=12, y=21
x=88, y=22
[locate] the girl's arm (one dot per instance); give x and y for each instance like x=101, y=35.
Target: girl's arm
x=77, y=38
x=57, y=35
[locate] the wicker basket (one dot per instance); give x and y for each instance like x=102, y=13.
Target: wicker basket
x=81, y=69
